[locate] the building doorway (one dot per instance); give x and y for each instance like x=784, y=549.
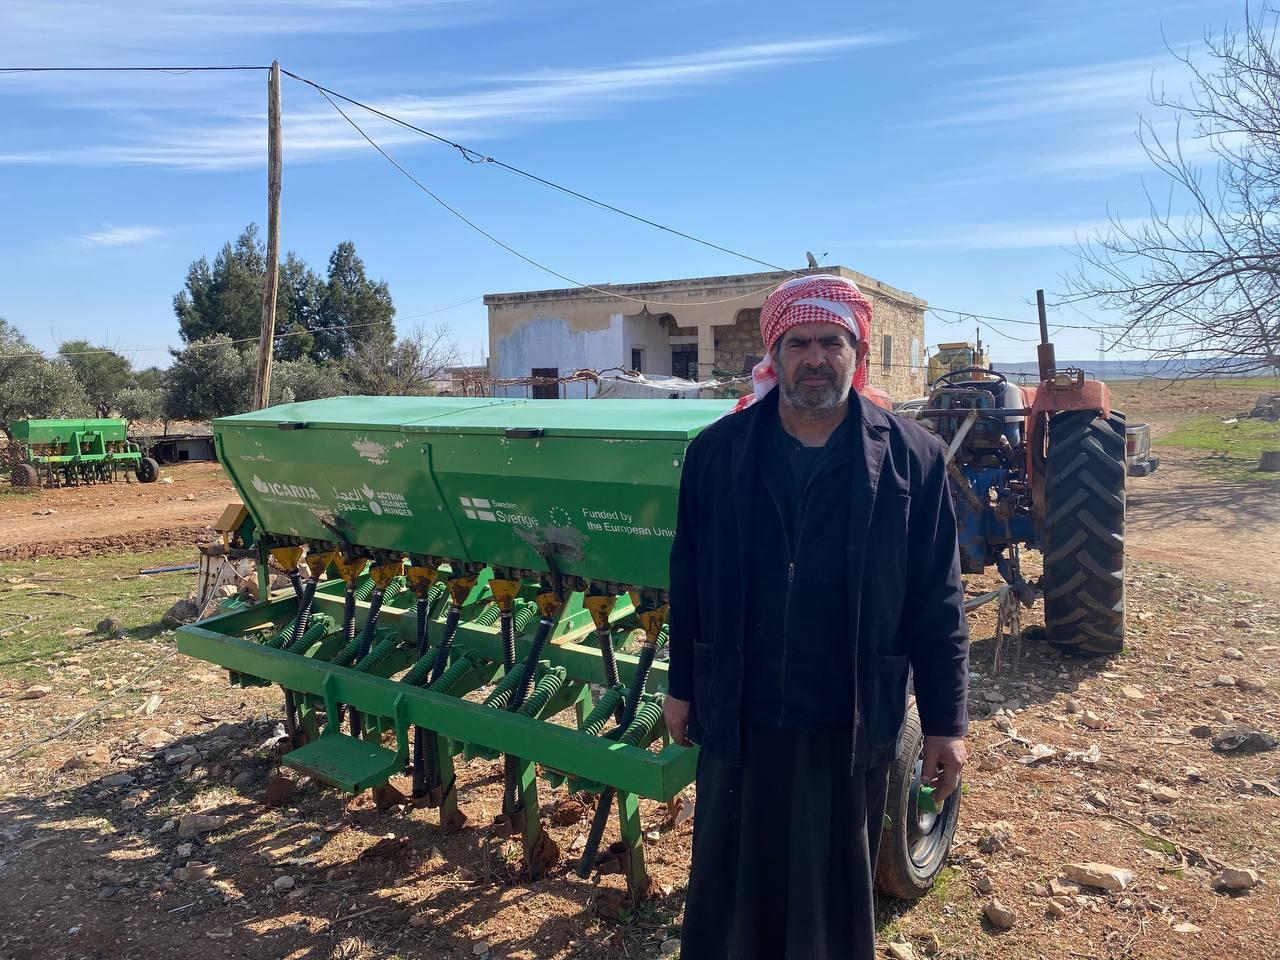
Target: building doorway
x=684, y=360
x=546, y=391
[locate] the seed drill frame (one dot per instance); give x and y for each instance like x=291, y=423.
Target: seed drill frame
x=489, y=562
x=72, y=452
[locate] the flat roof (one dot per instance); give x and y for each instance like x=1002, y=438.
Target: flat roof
x=701, y=285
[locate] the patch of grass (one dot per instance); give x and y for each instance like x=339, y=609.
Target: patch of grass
x=1160, y=846
x=949, y=887
x=9, y=490
x=1236, y=447
x=79, y=593
x=1261, y=384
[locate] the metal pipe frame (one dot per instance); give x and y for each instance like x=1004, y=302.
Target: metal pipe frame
x=657, y=776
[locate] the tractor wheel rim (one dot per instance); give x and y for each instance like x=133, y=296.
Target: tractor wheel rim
x=925, y=830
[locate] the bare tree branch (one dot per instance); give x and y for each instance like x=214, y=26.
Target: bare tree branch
x=1203, y=283
x=405, y=367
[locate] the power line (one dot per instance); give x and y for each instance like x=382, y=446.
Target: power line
x=967, y=314
x=506, y=246
x=476, y=157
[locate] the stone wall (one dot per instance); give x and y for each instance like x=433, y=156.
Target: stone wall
x=905, y=376
x=738, y=345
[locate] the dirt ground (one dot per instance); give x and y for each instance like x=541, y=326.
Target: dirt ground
x=1071, y=762
x=114, y=517
x=1182, y=515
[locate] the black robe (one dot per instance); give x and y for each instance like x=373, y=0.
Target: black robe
x=784, y=848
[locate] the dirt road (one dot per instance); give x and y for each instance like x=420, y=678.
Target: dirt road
x=102, y=518
x=1227, y=531
x=1185, y=517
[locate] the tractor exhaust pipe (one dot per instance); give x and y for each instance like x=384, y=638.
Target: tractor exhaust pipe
x=1044, y=349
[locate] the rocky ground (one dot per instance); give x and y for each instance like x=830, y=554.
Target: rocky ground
x=1120, y=809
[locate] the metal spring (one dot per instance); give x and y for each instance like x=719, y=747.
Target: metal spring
x=548, y=686
x=436, y=592
x=321, y=626
x=604, y=711
x=647, y=717
x=525, y=614
x=463, y=664
x=281, y=636
x=501, y=695
x=365, y=587
x=347, y=654
x=662, y=637
x=422, y=669
x=381, y=650
x=489, y=615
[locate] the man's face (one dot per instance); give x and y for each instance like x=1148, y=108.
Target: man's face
x=815, y=364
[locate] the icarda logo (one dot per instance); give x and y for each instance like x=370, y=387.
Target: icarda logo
x=289, y=491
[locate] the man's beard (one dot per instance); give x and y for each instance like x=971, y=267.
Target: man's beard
x=814, y=399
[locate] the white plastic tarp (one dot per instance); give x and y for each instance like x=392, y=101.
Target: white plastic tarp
x=638, y=387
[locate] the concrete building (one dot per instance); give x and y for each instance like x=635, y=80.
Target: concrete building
x=697, y=328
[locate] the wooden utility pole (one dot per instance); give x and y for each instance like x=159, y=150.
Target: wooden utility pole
x=266, y=341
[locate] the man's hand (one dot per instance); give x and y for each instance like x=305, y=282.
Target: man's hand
x=944, y=758
x=676, y=715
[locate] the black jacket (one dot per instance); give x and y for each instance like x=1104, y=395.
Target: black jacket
x=905, y=597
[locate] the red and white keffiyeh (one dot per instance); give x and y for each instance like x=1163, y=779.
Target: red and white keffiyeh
x=821, y=298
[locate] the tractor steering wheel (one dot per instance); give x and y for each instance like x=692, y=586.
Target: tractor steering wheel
x=946, y=377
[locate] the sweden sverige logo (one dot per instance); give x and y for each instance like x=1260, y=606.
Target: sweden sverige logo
x=477, y=508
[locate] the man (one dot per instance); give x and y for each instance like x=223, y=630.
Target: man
x=814, y=569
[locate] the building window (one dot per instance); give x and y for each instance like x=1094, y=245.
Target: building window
x=684, y=360
x=915, y=355
x=637, y=360
x=546, y=391
x=886, y=348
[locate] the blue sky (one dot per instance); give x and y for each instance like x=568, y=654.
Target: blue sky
x=952, y=150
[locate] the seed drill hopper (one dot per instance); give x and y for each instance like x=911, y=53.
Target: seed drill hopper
x=470, y=577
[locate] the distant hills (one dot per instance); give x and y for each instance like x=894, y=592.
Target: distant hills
x=1124, y=369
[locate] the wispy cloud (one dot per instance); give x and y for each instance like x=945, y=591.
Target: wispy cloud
x=104, y=31
x=1039, y=95
x=491, y=107
x=119, y=236
x=1080, y=122
x=1009, y=235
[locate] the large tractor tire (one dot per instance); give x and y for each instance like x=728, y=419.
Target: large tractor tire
x=148, y=470
x=24, y=475
x=914, y=843
x=1084, y=534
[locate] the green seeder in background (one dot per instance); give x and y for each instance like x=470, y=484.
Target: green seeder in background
x=70, y=452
